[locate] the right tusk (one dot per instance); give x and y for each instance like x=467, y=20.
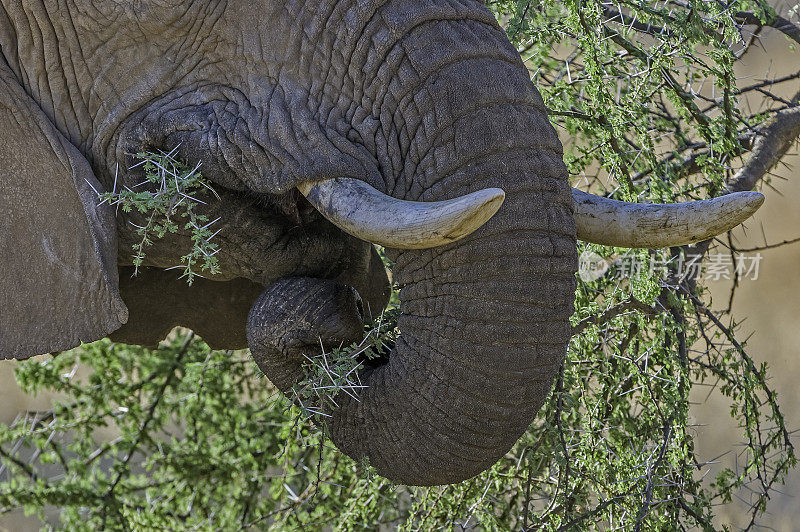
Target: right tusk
x=655, y=226
x=364, y=212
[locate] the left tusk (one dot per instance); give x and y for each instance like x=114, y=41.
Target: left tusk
x=364, y=212
x=641, y=225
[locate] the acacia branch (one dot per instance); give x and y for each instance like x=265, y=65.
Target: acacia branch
x=19, y=463
x=748, y=361
x=779, y=23
x=612, y=15
x=613, y=312
x=772, y=142
x=142, y=429
x=765, y=247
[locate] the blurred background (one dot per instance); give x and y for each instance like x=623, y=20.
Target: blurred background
x=767, y=308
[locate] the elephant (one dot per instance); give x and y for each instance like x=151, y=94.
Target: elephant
x=325, y=127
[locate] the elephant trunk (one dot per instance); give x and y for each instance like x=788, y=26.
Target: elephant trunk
x=484, y=327
x=484, y=321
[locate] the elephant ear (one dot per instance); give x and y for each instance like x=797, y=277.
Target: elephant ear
x=58, y=274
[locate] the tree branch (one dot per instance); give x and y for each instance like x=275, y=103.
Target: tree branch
x=772, y=143
x=779, y=23
x=613, y=312
x=766, y=246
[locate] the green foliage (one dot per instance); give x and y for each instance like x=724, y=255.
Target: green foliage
x=647, y=96
x=638, y=86
x=329, y=374
x=167, y=195
x=183, y=437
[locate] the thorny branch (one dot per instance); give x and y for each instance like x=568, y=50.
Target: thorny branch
x=777, y=22
x=613, y=312
x=143, y=431
x=705, y=126
x=772, y=142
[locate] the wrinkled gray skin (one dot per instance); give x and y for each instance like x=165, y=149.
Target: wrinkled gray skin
x=424, y=101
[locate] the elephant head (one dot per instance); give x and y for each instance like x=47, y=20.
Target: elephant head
x=411, y=125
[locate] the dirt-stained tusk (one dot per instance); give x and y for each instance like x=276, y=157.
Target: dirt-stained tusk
x=654, y=226
x=365, y=212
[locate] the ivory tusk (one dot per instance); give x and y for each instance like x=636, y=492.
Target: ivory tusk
x=654, y=226
x=364, y=212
